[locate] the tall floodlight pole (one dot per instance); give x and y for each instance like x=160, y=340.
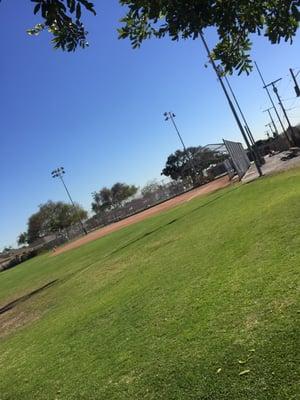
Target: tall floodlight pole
x=231, y=104
x=169, y=115
x=275, y=90
x=272, y=120
x=58, y=173
x=247, y=128
x=271, y=100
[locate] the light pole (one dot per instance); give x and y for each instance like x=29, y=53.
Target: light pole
x=169, y=115
x=58, y=173
x=233, y=110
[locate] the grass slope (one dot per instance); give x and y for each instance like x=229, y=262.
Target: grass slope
x=165, y=309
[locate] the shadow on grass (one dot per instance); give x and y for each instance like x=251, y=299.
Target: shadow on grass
x=172, y=221
x=69, y=276
x=28, y=296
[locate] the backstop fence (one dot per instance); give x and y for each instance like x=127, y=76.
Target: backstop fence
x=237, y=162
x=238, y=156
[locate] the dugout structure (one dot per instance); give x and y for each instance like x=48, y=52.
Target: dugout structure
x=238, y=157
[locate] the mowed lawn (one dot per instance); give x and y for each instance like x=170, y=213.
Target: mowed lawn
x=199, y=302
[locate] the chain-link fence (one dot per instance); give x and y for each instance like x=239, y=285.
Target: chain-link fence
x=164, y=190
x=238, y=156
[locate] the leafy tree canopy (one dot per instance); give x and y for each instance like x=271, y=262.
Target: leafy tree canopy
x=234, y=20
x=189, y=165
x=150, y=188
x=7, y=249
x=102, y=200
x=63, y=19
x=23, y=238
x=53, y=217
x=107, y=198
x=121, y=192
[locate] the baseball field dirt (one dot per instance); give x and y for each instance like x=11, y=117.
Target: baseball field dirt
x=94, y=235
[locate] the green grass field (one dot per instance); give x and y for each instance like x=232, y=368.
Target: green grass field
x=172, y=308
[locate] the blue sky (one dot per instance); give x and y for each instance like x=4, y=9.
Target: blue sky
x=98, y=112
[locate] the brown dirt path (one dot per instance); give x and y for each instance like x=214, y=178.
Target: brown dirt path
x=202, y=190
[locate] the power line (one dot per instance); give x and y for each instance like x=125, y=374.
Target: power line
x=272, y=120
x=292, y=108
x=275, y=90
x=283, y=91
x=271, y=100
x=290, y=98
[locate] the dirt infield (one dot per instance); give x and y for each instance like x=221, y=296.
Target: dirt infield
x=205, y=189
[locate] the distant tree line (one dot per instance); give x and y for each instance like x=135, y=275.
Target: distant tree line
x=189, y=164
x=181, y=166
x=52, y=217
x=110, y=198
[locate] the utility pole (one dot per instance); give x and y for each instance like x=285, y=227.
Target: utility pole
x=297, y=89
x=272, y=120
x=270, y=127
x=239, y=108
x=170, y=116
x=58, y=173
x=275, y=90
x=231, y=104
x=272, y=102
x=252, y=140
x=247, y=128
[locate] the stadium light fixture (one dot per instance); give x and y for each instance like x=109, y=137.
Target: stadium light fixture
x=169, y=115
x=58, y=173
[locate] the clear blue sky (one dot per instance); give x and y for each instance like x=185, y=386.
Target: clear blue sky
x=98, y=112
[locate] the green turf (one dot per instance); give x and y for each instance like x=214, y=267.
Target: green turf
x=167, y=308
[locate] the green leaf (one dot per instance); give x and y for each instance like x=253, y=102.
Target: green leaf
x=36, y=8
x=78, y=11
x=72, y=6
x=296, y=12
